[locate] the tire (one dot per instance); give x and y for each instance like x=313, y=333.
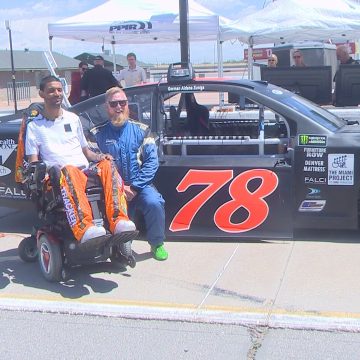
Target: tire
x=125, y=249
x=122, y=255
x=50, y=259
x=28, y=250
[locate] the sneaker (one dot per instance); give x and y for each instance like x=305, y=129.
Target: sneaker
x=159, y=252
x=92, y=232
x=124, y=226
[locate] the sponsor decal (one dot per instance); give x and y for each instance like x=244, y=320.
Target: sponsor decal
x=254, y=201
x=314, y=152
x=314, y=166
x=186, y=88
x=7, y=146
x=277, y=92
x=131, y=27
x=313, y=193
x=312, y=205
x=315, y=180
x=11, y=192
x=70, y=213
x=319, y=140
x=341, y=169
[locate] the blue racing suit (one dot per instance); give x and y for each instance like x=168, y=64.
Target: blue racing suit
x=135, y=153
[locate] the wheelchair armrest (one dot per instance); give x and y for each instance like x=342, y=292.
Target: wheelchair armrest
x=35, y=175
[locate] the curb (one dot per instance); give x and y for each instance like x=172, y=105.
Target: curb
x=168, y=312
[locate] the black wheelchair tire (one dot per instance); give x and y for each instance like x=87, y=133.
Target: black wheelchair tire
x=27, y=249
x=51, y=268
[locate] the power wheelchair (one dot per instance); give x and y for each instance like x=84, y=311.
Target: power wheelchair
x=53, y=244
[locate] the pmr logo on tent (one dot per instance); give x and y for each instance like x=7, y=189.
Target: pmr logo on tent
x=132, y=27
x=7, y=146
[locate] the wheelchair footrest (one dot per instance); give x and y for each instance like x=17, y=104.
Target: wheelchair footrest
x=123, y=237
x=95, y=243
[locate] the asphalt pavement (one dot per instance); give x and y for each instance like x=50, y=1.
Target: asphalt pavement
x=310, y=282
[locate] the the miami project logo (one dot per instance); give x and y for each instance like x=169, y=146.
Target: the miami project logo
x=7, y=146
x=306, y=140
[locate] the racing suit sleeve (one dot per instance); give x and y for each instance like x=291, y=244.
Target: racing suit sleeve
x=150, y=162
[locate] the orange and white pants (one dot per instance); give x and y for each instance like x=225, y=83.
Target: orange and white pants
x=78, y=210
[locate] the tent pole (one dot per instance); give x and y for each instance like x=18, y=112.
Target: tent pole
x=184, y=31
x=220, y=67
x=50, y=43
x=250, y=58
x=114, y=55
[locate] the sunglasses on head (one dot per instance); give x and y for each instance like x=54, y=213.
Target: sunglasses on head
x=115, y=103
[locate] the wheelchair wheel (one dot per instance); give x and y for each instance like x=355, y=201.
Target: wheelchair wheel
x=125, y=249
x=27, y=249
x=123, y=255
x=50, y=259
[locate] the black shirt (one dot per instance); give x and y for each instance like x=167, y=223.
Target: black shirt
x=97, y=80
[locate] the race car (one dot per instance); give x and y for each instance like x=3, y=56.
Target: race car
x=238, y=158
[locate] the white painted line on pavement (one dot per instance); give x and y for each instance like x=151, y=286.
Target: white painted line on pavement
x=218, y=277
x=178, y=312
x=8, y=258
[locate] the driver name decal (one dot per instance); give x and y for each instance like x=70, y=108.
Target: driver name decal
x=7, y=146
x=185, y=88
x=253, y=201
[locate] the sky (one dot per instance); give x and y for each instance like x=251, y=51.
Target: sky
x=29, y=20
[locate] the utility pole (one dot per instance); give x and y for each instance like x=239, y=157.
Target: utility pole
x=184, y=31
x=7, y=24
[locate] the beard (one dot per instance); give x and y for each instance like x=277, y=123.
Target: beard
x=119, y=119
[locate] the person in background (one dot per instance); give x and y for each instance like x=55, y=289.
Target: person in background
x=135, y=153
x=272, y=61
x=75, y=92
x=343, y=55
x=133, y=74
x=197, y=116
x=298, y=58
x=97, y=80
x=56, y=136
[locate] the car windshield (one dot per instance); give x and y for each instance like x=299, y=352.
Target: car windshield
x=320, y=115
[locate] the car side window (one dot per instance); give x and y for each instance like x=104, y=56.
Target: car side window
x=220, y=123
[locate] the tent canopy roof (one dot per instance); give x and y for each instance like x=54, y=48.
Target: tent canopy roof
x=296, y=20
x=141, y=21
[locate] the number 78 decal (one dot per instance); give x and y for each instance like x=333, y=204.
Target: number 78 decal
x=241, y=197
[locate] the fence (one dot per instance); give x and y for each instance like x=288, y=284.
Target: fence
x=22, y=91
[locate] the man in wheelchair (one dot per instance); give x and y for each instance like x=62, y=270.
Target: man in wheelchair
x=56, y=147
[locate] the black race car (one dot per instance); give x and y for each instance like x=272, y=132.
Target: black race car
x=238, y=158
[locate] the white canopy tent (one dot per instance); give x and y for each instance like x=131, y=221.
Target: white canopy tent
x=286, y=21
x=143, y=21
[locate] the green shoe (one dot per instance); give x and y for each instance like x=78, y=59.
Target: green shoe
x=159, y=253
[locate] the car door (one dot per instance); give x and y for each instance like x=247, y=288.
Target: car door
x=232, y=181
